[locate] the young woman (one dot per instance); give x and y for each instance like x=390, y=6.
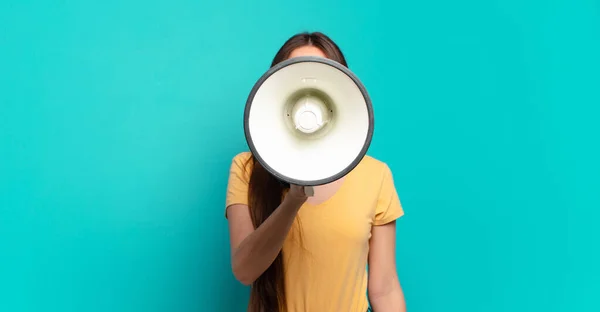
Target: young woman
x=310, y=254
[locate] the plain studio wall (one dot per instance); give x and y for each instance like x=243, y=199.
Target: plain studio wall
x=119, y=119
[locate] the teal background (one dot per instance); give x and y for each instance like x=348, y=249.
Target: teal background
x=119, y=119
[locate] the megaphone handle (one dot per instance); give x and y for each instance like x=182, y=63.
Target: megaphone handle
x=309, y=191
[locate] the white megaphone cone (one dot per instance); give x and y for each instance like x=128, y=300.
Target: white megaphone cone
x=308, y=121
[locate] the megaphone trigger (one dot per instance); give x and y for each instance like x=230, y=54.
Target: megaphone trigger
x=309, y=191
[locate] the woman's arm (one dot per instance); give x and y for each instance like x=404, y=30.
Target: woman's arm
x=253, y=250
x=385, y=292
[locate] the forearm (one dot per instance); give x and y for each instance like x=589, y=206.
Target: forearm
x=259, y=249
x=390, y=301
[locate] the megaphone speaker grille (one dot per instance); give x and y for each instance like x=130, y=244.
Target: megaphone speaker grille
x=308, y=121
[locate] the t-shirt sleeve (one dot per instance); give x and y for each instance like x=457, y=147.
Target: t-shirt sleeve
x=237, y=185
x=388, y=207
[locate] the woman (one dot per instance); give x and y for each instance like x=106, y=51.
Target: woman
x=305, y=254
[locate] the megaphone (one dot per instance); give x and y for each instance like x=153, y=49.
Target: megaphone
x=308, y=121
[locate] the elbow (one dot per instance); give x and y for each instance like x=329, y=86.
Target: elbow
x=387, y=298
x=244, y=280
x=242, y=276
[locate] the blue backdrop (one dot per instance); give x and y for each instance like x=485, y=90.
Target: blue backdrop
x=119, y=119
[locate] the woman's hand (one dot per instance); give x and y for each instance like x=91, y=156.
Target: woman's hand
x=297, y=194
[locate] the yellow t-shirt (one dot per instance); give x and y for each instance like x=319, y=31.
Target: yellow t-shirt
x=326, y=262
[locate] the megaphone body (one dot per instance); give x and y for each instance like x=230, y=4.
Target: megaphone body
x=308, y=121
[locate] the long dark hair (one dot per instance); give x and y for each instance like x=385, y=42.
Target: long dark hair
x=265, y=191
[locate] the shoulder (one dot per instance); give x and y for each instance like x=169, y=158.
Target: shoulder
x=242, y=157
x=373, y=167
x=239, y=179
x=374, y=173
x=241, y=164
x=372, y=162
